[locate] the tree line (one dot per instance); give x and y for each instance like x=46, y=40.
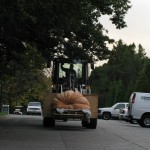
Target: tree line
x=126, y=71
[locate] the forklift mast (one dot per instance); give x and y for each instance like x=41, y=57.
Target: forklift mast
x=70, y=74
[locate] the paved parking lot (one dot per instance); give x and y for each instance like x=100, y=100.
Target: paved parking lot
x=21, y=132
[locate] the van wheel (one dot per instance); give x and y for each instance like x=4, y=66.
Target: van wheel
x=92, y=124
x=106, y=115
x=145, y=121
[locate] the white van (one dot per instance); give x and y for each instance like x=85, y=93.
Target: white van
x=139, y=108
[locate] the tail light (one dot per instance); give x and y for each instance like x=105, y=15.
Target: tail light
x=133, y=98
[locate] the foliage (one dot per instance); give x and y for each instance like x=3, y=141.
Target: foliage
x=3, y=114
x=47, y=24
x=25, y=86
x=127, y=70
x=34, y=32
x=143, y=80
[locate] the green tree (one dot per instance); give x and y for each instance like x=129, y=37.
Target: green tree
x=142, y=84
x=25, y=86
x=47, y=24
x=120, y=74
x=34, y=32
x=111, y=94
x=119, y=92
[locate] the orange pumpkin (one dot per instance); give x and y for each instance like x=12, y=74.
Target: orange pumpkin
x=71, y=100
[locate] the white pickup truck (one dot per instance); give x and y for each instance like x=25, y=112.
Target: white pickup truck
x=34, y=108
x=112, y=112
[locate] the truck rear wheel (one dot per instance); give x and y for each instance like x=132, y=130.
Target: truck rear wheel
x=48, y=122
x=84, y=123
x=145, y=121
x=92, y=124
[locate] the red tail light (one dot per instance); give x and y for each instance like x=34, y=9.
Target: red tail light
x=133, y=98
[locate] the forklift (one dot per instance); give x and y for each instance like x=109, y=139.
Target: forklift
x=71, y=74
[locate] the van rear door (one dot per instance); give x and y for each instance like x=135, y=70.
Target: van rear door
x=131, y=103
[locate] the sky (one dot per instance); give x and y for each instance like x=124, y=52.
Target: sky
x=138, y=25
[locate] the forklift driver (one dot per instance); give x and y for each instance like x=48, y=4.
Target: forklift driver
x=70, y=72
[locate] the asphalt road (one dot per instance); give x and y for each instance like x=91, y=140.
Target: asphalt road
x=21, y=132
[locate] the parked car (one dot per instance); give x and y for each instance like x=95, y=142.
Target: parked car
x=111, y=112
x=123, y=115
x=34, y=108
x=18, y=110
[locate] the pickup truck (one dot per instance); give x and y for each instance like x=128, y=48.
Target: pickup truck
x=34, y=108
x=111, y=112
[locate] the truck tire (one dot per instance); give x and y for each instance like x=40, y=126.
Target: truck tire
x=92, y=124
x=48, y=122
x=106, y=115
x=65, y=120
x=145, y=121
x=84, y=123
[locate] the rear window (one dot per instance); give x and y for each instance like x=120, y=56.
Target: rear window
x=34, y=104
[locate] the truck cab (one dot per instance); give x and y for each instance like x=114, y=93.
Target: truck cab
x=64, y=78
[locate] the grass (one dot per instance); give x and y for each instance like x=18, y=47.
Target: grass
x=3, y=114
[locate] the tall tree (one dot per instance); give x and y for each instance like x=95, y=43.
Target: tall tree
x=25, y=86
x=48, y=23
x=121, y=73
x=33, y=32
x=142, y=83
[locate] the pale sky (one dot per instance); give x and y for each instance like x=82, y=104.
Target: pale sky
x=138, y=25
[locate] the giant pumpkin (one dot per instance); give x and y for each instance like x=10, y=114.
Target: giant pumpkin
x=71, y=100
